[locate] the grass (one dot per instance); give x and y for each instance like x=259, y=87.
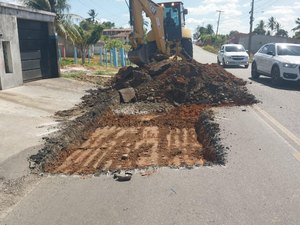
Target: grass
x=66, y=62
x=72, y=75
x=91, y=72
x=93, y=65
x=211, y=49
x=106, y=72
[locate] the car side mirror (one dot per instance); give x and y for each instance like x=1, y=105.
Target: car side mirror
x=270, y=53
x=222, y=51
x=185, y=11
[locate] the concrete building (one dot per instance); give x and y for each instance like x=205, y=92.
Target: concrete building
x=28, y=46
x=114, y=33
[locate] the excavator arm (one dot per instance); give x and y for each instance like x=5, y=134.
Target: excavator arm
x=167, y=37
x=139, y=54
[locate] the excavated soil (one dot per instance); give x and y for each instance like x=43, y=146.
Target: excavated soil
x=166, y=123
x=185, y=83
x=136, y=141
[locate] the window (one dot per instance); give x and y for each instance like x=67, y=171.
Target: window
x=7, y=57
x=271, y=48
x=264, y=49
x=237, y=48
x=288, y=50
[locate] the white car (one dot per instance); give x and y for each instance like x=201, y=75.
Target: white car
x=233, y=55
x=280, y=61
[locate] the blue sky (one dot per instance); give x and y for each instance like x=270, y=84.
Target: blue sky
x=201, y=12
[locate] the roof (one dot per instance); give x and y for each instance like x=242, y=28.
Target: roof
x=23, y=12
x=118, y=29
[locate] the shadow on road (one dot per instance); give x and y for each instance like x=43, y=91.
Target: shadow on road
x=237, y=67
x=285, y=85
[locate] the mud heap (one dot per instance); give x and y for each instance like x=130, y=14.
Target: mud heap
x=184, y=83
x=168, y=122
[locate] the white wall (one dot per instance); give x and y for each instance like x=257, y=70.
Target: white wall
x=9, y=32
x=260, y=40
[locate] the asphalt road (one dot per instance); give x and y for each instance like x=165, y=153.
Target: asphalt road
x=259, y=185
x=279, y=106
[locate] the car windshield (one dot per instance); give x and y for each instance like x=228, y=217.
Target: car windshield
x=234, y=49
x=288, y=50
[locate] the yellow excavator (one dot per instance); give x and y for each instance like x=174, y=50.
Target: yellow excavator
x=167, y=37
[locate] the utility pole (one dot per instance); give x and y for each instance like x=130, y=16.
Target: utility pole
x=219, y=11
x=251, y=25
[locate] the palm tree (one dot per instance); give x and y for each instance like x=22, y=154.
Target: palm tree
x=260, y=28
x=277, y=26
x=272, y=23
x=92, y=13
x=209, y=29
x=89, y=34
x=297, y=28
x=62, y=22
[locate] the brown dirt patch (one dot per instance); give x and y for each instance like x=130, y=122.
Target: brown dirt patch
x=136, y=141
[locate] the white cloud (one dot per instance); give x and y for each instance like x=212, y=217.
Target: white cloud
x=235, y=15
x=284, y=14
x=207, y=11
x=14, y=2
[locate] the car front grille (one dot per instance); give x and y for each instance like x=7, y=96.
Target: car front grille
x=238, y=57
x=290, y=75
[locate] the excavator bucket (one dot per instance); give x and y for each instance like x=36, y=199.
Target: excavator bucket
x=139, y=56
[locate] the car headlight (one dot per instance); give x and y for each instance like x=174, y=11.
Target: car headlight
x=289, y=65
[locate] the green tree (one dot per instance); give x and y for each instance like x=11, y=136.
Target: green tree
x=209, y=29
x=92, y=13
x=297, y=35
x=200, y=31
x=277, y=26
x=114, y=43
x=282, y=33
x=260, y=28
x=108, y=25
x=297, y=28
x=89, y=34
x=61, y=8
x=272, y=24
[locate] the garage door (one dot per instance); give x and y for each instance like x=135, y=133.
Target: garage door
x=33, y=37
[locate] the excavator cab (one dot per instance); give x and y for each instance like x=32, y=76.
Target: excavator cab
x=173, y=20
x=168, y=35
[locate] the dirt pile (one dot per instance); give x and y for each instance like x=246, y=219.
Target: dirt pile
x=166, y=124
x=184, y=83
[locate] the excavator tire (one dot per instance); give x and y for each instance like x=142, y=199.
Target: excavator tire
x=187, y=47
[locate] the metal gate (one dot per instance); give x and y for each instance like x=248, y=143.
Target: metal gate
x=33, y=39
